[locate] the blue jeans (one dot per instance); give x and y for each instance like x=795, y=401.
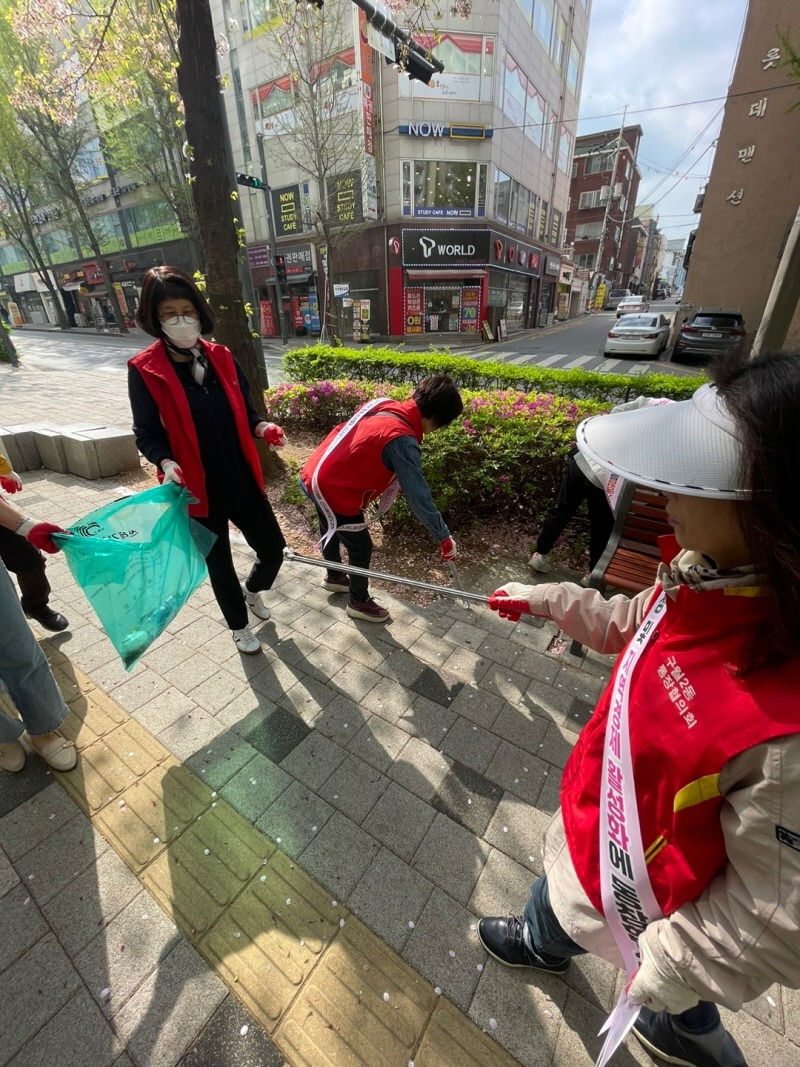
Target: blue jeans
x=25, y=671
x=550, y=940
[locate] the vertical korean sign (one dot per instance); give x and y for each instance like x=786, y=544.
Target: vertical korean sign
x=364, y=67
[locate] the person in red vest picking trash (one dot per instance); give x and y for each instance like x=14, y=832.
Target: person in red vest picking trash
x=376, y=454
x=194, y=420
x=676, y=850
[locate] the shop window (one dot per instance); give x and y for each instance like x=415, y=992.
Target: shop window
x=544, y=20
x=468, y=68
x=444, y=188
x=273, y=107
x=574, y=68
x=151, y=223
x=13, y=260
x=336, y=81
x=108, y=231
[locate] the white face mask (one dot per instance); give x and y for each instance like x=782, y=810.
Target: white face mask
x=185, y=333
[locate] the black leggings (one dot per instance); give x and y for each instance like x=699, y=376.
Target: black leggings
x=359, y=550
x=257, y=522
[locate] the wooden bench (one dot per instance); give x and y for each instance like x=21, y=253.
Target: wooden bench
x=632, y=555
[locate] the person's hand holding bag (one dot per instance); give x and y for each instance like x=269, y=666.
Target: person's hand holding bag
x=172, y=472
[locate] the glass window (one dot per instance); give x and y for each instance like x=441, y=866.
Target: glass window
x=89, y=165
x=541, y=229
x=257, y=15
x=468, y=68
x=515, y=89
x=151, y=223
x=535, y=115
x=523, y=208
x=590, y=199
x=550, y=135
x=273, y=105
x=407, y=197
x=585, y=231
x=543, y=20
x=483, y=171
x=513, y=203
x=59, y=246
x=337, y=83
x=586, y=261
x=526, y=6
x=13, y=260
x=560, y=43
x=564, y=149
x=448, y=188
x=502, y=195
x=597, y=163
x=574, y=68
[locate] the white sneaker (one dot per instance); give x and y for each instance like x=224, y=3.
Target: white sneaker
x=246, y=641
x=539, y=563
x=255, y=603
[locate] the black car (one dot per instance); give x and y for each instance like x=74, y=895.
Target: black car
x=708, y=333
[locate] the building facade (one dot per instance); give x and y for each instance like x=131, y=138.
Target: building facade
x=754, y=188
x=603, y=189
x=456, y=191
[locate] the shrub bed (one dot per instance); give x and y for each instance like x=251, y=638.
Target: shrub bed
x=503, y=457
x=373, y=364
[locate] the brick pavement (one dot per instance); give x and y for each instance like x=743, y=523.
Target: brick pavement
x=407, y=772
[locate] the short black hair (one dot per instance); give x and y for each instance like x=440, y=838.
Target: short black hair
x=170, y=283
x=438, y=399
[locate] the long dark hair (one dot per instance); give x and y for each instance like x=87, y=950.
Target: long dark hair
x=763, y=397
x=169, y=283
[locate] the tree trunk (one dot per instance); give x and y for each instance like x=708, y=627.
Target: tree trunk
x=211, y=191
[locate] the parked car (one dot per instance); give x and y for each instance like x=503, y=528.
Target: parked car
x=661, y=294
x=630, y=304
x=708, y=333
x=638, y=335
x=613, y=298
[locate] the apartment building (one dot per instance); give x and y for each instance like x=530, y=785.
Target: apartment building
x=456, y=191
x=603, y=190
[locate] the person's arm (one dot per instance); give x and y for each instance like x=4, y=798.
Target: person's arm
x=742, y=933
x=272, y=434
x=605, y=626
x=151, y=436
x=402, y=457
x=38, y=533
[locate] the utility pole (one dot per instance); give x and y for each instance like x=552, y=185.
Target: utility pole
x=271, y=231
x=610, y=198
x=783, y=297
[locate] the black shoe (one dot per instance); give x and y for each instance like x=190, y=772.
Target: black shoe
x=662, y=1036
x=49, y=619
x=503, y=939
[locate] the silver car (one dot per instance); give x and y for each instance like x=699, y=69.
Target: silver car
x=631, y=304
x=637, y=335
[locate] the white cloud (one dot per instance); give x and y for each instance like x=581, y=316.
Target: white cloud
x=653, y=54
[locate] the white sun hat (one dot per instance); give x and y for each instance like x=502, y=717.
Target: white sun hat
x=689, y=447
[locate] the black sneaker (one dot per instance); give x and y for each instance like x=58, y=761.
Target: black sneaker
x=503, y=939
x=662, y=1036
x=336, y=582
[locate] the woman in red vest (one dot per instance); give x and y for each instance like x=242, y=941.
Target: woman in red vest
x=676, y=850
x=193, y=418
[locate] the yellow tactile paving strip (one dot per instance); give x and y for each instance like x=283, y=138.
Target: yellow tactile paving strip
x=325, y=988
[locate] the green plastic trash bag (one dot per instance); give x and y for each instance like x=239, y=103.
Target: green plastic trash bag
x=138, y=561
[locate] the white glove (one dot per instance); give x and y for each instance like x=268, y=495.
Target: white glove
x=651, y=987
x=172, y=472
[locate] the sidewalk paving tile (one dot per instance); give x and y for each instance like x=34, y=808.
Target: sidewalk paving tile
x=52, y=865
x=191, y=732
x=518, y=830
x=502, y=888
x=451, y=857
x=558, y=744
x=468, y=798
x=427, y=720
x=140, y=690
x=205, y=869
x=277, y=734
x=354, y=787
x=307, y=698
x=339, y=837
x=45, y=968
x=355, y=680
x=391, y=915
x=340, y=720
x=445, y=927
x=255, y=787
x=521, y=727
x=233, y=1038
x=91, y=715
x=154, y=812
x=389, y=699
x=420, y=768
x=314, y=760
x=8, y=876
x=399, y=820
x=361, y=1005
x=83, y=909
x=266, y=945
x=294, y=819
x=35, y=820
x=21, y=787
x=133, y=945
x=22, y=924
x=438, y=685
x=77, y=1035
x=378, y=743
x=478, y=706
x=518, y=772
x=470, y=744
x=451, y=1039
x=163, y=1016
x=164, y=710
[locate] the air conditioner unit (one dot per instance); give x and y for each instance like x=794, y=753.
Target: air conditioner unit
x=605, y=192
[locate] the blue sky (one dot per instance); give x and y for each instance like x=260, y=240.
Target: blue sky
x=652, y=53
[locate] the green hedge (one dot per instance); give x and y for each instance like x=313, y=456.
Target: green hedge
x=372, y=364
x=504, y=456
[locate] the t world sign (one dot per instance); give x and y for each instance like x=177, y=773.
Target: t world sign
x=445, y=247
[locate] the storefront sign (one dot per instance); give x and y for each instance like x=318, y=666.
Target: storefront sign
x=344, y=198
x=287, y=211
x=414, y=310
x=445, y=247
x=297, y=259
x=467, y=132
x=258, y=256
x=470, y=310
x=514, y=255
x=267, y=319
x=555, y=228
x=341, y=288
x=552, y=265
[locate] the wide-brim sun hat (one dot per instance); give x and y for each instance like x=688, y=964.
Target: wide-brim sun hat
x=689, y=447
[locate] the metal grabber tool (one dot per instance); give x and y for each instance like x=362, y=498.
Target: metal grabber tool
x=457, y=594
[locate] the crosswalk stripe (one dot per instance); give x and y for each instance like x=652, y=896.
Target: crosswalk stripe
x=608, y=365
x=548, y=361
x=579, y=361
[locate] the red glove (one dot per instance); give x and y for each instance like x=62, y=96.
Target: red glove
x=11, y=483
x=40, y=536
x=448, y=550
x=511, y=602
x=272, y=435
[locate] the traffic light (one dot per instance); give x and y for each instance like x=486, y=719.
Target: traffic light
x=248, y=179
x=415, y=61
x=280, y=268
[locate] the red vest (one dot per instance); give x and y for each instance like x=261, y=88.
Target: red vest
x=689, y=714
x=159, y=376
x=353, y=473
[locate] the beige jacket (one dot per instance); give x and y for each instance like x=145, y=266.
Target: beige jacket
x=743, y=932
